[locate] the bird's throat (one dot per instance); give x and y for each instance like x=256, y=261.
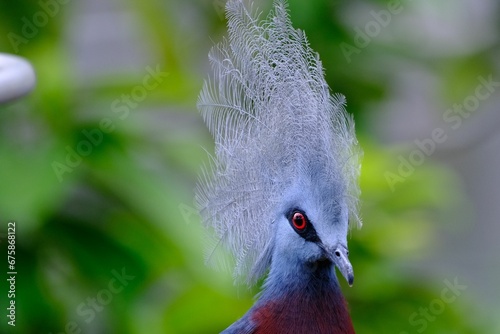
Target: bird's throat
x=315, y=305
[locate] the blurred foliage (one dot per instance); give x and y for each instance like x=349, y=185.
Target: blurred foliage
x=126, y=207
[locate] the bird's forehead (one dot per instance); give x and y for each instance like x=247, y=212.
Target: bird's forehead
x=322, y=201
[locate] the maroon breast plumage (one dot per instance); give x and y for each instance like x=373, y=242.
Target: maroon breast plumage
x=319, y=313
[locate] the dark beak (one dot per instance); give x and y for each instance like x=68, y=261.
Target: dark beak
x=340, y=259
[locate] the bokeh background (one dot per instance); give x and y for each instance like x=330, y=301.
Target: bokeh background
x=97, y=166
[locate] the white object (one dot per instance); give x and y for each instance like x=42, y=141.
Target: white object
x=17, y=77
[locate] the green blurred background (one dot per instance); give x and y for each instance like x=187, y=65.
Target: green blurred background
x=98, y=164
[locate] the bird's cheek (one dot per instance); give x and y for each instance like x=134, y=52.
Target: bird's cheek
x=314, y=253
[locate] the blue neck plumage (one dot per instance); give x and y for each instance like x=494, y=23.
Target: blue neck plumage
x=303, y=279
x=297, y=298
x=305, y=298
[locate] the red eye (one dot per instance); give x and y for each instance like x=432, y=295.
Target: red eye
x=299, y=221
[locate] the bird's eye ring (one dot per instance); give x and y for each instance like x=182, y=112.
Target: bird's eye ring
x=299, y=221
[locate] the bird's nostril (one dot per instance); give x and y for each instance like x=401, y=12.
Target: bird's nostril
x=337, y=253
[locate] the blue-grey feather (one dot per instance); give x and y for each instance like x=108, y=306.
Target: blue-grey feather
x=277, y=128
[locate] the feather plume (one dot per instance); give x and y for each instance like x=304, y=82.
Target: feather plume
x=271, y=114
